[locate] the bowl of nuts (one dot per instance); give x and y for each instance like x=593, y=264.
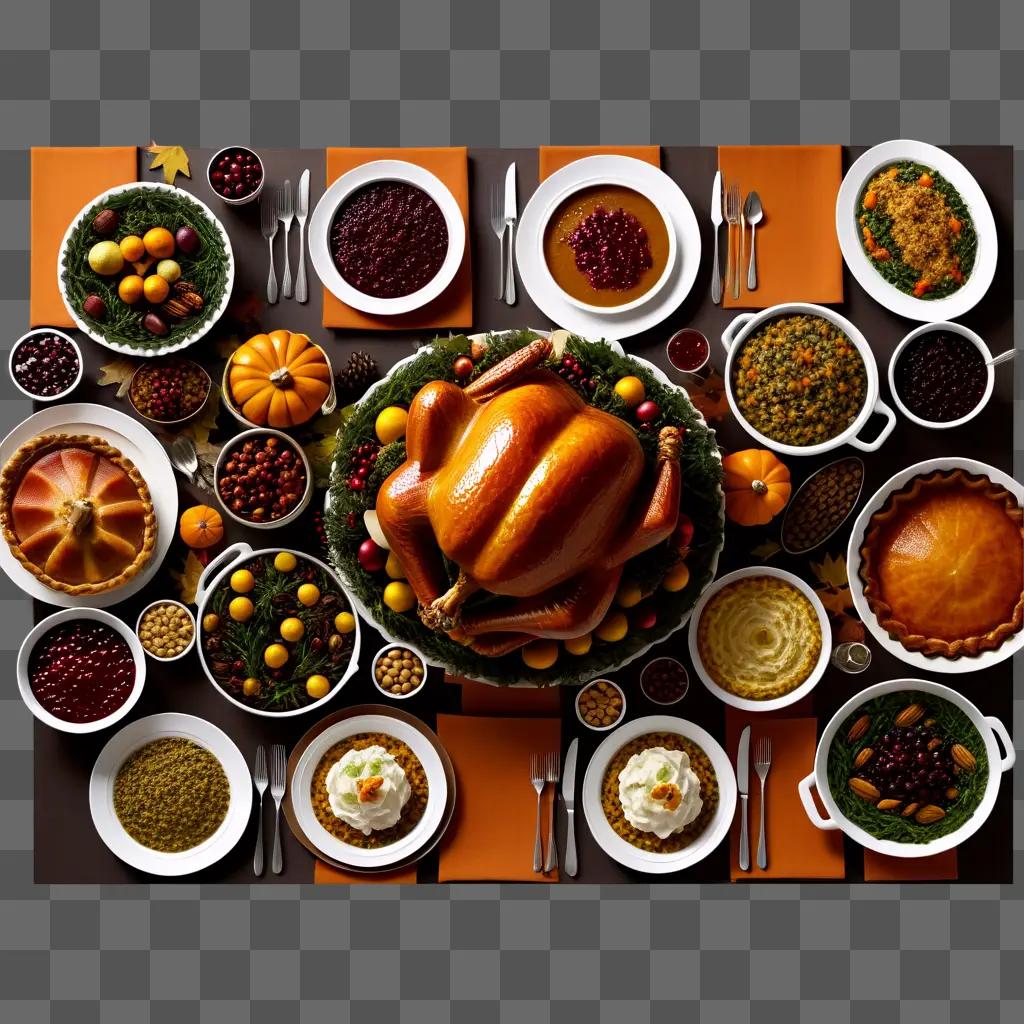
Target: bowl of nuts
x=601, y=705
x=169, y=391
x=399, y=671
x=263, y=479
x=167, y=630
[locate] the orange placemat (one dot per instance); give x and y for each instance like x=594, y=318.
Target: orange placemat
x=940, y=867
x=553, y=158
x=454, y=307
x=796, y=849
x=326, y=874
x=491, y=835
x=483, y=699
x=64, y=179
x=798, y=257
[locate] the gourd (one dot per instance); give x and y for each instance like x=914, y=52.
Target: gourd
x=756, y=486
x=279, y=379
x=201, y=526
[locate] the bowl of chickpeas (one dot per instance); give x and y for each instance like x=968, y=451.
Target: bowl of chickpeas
x=399, y=671
x=166, y=630
x=601, y=705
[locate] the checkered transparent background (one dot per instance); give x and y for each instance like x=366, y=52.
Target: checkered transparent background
x=515, y=73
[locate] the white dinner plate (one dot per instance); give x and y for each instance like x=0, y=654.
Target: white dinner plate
x=644, y=178
x=330, y=845
x=850, y=241
x=948, y=666
x=643, y=860
x=133, y=440
x=130, y=739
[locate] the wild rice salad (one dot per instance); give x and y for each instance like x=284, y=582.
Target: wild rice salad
x=799, y=380
x=916, y=230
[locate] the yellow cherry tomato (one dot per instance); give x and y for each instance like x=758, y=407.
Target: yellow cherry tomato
x=105, y=258
x=240, y=609
x=251, y=687
x=159, y=242
x=293, y=630
x=630, y=390
x=318, y=686
x=393, y=567
x=628, y=595
x=130, y=289
x=540, y=654
x=308, y=594
x=390, y=425
x=275, y=655
x=579, y=644
x=399, y=596
x=242, y=581
x=285, y=561
x=613, y=628
x=211, y=622
x=344, y=622
x=155, y=288
x=676, y=578
x=169, y=270
x=132, y=248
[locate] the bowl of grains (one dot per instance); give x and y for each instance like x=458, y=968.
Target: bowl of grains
x=821, y=504
x=167, y=630
x=399, y=671
x=45, y=365
x=802, y=380
x=665, y=681
x=601, y=705
x=169, y=391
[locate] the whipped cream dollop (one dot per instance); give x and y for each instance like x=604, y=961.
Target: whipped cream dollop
x=659, y=791
x=367, y=789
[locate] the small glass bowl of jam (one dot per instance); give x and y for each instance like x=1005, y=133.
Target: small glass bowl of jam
x=45, y=364
x=81, y=670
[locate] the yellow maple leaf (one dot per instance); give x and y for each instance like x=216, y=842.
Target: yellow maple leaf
x=831, y=570
x=119, y=372
x=200, y=428
x=188, y=578
x=708, y=397
x=766, y=550
x=835, y=599
x=173, y=160
x=321, y=454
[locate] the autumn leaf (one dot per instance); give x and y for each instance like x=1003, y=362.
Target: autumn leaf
x=832, y=571
x=708, y=397
x=835, y=599
x=225, y=348
x=172, y=160
x=200, y=428
x=321, y=454
x=850, y=630
x=188, y=579
x=119, y=372
x=769, y=549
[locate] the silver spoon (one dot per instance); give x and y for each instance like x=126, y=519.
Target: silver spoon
x=1003, y=357
x=753, y=213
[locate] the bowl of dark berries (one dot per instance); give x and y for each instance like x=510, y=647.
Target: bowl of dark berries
x=236, y=175
x=664, y=681
x=263, y=479
x=169, y=391
x=45, y=364
x=939, y=375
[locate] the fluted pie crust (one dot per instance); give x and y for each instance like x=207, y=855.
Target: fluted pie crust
x=130, y=511
x=943, y=565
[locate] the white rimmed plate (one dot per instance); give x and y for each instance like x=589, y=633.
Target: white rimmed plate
x=649, y=181
x=850, y=241
x=816, y=673
x=951, y=666
x=330, y=845
x=134, y=441
x=643, y=860
x=125, y=743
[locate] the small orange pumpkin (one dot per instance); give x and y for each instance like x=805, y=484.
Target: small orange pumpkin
x=756, y=486
x=201, y=526
x=279, y=379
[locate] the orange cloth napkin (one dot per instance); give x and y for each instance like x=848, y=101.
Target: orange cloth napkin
x=327, y=874
x=484, y=699
x=796, y=849
x=64, y=179
x=491, y=835
x=454, y=306
x=798, y=257
x=940, y=867
x=553, y=158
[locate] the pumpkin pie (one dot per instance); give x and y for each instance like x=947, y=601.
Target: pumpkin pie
x=943, y=564
x=76, y=513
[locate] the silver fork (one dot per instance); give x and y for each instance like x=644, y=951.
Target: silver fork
x=551, y=861
x=285, y=212
x=277, y=773
x=732, y=218
x=259, y=780
x=762, y=762
x=268, y=225
x=537, y=777
x=498, y=225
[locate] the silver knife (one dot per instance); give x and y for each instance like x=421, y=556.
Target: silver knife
x=301, y=212
x=511, y=216
x=716, y=220
x=569, y=797
x=743, y=783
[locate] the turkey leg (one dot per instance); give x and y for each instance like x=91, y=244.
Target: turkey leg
x=510, y=370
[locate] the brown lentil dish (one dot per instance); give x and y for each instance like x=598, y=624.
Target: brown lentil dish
x=821, y=505
x=799, y=380
x=171, y=795
x=702, y=767
x=412, y=812
x=600, y=704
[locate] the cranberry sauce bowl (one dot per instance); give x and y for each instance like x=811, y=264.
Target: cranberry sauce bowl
x=939, y=375
x=45, y=364
x=387, y=237
x=236, y=175
x=81, y=670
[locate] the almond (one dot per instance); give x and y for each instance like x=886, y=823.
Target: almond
x=909, y=810
x=862, y=758
x=864, y=789
x=935, y=743
x=963, y=757
x=909, y=715
x=929, y=814
x=888, y=805
x=858, y=729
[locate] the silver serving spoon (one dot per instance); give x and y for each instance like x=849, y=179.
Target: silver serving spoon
x=753, y=213
x=1003, y=357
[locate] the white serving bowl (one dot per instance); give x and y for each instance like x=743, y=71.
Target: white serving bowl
x=744, y=325
x=76, y=615
x=380, y=654
x=176, y=604
x=622, y=713
x=949, y=328
x=78, y=354
x=744, y=703
x=230, y=201
x=631, y=856
x=622, y=181
x=998, y=762
x=375, y=172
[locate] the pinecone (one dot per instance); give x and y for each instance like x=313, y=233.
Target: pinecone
x=357, y=376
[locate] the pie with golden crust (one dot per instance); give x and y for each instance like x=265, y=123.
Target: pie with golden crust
x=76, y=513
x=943, y=564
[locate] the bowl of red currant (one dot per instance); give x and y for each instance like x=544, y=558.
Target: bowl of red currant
x=45, y=364
x=236, y=175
